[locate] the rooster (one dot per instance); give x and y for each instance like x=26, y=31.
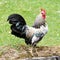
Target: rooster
x=20, y=29
x=40, y=19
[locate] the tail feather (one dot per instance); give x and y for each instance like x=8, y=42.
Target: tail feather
x=17, y=22
x=17, y=32
x=14, y=18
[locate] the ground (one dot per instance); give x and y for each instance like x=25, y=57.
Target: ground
x=23, y=52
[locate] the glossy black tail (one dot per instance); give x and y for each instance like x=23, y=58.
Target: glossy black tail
x=14, y=18
x=17, y=22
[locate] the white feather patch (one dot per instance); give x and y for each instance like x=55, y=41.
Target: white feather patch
x=34, y=39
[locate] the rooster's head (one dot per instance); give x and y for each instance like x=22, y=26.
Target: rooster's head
x=43, y=12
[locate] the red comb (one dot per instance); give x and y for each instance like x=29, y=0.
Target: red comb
x=43, y=10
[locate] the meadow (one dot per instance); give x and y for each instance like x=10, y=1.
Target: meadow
x=29, y=9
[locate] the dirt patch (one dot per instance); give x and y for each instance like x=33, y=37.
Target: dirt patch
x=22, y=52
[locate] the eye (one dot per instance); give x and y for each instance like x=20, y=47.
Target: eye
x=42, y=13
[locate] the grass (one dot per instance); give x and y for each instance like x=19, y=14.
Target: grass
x=29, y=9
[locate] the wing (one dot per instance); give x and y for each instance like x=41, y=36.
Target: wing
x=36, y=38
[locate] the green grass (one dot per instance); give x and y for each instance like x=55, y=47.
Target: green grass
x=29, y=9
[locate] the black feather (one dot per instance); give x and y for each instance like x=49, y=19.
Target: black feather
x=17, y=32
x=14, y=18
x=17, y=29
